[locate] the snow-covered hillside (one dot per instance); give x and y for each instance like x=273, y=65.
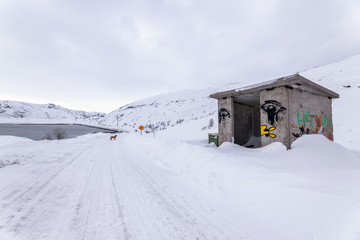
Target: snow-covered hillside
x=13, y=111
x=342, y=77
x=338, y=75
x=166, y=111
x=191, y=114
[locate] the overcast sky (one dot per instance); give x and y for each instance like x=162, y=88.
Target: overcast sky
x=99, y=55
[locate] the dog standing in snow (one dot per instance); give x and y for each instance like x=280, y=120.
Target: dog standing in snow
x=113, y=137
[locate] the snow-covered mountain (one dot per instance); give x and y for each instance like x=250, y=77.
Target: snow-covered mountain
x=193, y=112
x=337, y=76
x=13, y=111
x=164, y=111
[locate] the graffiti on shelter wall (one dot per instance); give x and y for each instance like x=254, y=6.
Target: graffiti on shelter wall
x=309, y=123
x=315, y=121
x=273, y=109
x=266, y=131
x=274, y=112
x=302, y=131
x=223, y=114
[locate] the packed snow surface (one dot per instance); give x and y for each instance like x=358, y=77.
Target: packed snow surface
x=140, y=187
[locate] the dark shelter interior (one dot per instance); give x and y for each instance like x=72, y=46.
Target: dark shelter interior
x=247, y=120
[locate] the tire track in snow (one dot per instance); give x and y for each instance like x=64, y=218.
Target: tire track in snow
x=119, y=205
x=171, y=212
x=98, y=213
x=106, y=191
x=19, y=194
x=22, y=203
x=129, y=195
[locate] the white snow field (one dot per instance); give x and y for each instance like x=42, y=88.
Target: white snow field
x=140, y=187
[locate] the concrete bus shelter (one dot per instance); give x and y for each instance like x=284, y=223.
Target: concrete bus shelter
x=280, y=110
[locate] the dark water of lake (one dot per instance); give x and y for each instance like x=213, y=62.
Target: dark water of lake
x=40, y=131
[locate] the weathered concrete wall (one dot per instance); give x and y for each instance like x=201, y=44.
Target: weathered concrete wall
x=226, y=119
x=246, y=123
x=274, y=122
x=309, y=114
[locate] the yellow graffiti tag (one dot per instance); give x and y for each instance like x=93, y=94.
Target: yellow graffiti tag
x=266, y=131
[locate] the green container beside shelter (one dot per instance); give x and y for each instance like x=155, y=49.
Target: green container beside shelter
x=213, y=137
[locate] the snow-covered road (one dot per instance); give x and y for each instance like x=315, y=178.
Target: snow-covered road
x=97, y=189
x=138, y=187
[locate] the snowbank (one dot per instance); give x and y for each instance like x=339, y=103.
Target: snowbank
x=308, y=192
x=9, y=148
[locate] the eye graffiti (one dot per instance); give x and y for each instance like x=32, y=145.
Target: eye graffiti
x=272, y=108
x=266, y=131
x=223, y=113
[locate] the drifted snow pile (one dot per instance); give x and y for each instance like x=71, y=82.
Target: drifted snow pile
x=9, y=149
x=309, y=192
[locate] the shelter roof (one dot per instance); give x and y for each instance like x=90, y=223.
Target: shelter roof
x=296, y=81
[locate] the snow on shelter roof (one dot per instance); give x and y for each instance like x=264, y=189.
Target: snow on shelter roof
x=293, y=81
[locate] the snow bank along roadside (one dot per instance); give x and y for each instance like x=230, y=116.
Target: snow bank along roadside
x=12, y=150
x=18, y=150
x=311, y=190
